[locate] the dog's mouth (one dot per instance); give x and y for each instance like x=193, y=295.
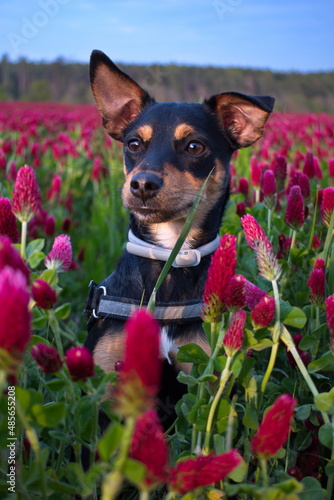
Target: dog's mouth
x=159, y=214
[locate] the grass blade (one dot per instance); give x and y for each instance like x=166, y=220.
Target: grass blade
x=181, y=239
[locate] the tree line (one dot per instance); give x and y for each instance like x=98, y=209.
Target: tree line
x=69, y=82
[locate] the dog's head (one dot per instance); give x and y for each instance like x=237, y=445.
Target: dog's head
x=170, y=148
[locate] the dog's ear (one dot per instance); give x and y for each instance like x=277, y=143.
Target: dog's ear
x=242, y=117
x=119, y=98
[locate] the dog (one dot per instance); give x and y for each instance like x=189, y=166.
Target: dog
x=169, y=150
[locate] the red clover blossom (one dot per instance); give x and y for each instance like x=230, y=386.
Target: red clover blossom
x=274, y=429
x=60, y=256
x=8, y=224
x=26, y=197
x=195, y=472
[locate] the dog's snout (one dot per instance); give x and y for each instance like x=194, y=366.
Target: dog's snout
x=145, y=185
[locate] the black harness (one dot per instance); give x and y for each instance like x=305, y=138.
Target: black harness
x=102, y=305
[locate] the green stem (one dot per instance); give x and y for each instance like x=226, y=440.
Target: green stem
x=274, y=349
x=288, y=341
x=113, y=482
x=229, y=432
x=293, y=241
x=213, y=335
x=111, y=485
x=328, y=238
x=277, y=299
x=223, y=380
x=201, y=388
x=270, y=367
x=56, y=331
x=144, y=495
x=264, y=469
x=269, y=221
x=177, y=247
x=34, y=442
x=24, y=228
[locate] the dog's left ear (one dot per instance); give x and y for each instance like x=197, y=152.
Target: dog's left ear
x=241, y=117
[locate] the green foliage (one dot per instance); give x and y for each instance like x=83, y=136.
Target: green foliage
x=68, y=82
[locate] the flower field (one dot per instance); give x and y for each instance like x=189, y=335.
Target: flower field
x=258, y=418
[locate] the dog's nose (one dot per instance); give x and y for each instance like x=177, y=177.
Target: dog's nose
x=145, y=185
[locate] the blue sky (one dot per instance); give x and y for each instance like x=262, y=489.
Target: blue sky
x=279, y=35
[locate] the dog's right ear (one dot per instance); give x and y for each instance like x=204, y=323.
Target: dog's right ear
x=119, y=98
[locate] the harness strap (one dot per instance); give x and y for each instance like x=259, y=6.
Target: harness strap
x=101, y=305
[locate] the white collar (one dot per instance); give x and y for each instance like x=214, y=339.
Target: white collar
x=185, y=258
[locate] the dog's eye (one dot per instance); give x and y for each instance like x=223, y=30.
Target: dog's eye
x=195, y=148
x=134, y=145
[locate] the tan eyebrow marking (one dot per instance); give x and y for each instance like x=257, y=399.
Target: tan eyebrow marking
x=183, y=131
x=145, y=132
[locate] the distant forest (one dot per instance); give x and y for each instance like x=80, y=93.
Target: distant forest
x=68, y=82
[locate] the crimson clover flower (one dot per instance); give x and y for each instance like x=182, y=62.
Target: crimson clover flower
x=3, y=160
x=308, y=168
x=300, y=179
x=55, y=188
x=269, y=189
x=253, y=294
x=279, y=168
x=274, y=428
x=42, y=293
x=195, y=472
x=50, y=225
x=316, y=243
x=149, y=447
x=222, y=268
x=15, y=317
x=316, y=283
x=264, y=312
x=294, y=215
x=9, y=256
x=284, y=247
x=254, y=232
x=327, y=205
x=47, y=358
x=258, y=241
x=256, y=172
x=60, y=256
x=235, y=293
x=304, y=183
x=139, y=378
x=26, y=197
x=80, y=363
x=329, y=306
x=241, y=208
x=243, y=186
x=234, y=335
x=319, y=264
x=8, y=224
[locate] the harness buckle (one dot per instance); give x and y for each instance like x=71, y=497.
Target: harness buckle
x=101, y=290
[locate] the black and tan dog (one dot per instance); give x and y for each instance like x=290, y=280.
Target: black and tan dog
x=169, y=150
